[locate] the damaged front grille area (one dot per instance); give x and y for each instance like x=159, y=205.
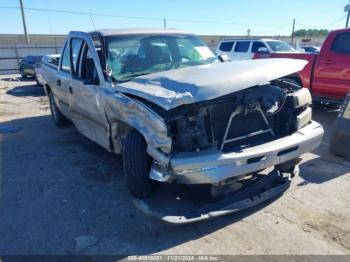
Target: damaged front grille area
x=247, y=118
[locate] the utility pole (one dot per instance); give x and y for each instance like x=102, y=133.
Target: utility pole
x=24, y=22
x=164, y=23
x=347, y=9
x=293, y=30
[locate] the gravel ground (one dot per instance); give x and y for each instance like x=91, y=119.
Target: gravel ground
x=62, y=194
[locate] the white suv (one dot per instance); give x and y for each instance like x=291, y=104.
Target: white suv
x=243, y=49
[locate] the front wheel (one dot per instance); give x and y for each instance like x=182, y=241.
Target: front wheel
x=57, y=116
x=137, y=165
x=21, y=71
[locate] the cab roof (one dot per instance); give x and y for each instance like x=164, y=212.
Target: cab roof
x=136, y=31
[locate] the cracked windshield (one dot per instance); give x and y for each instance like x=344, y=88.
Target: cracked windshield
x=133, y=56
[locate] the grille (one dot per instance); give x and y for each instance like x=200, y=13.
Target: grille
x=242, y=125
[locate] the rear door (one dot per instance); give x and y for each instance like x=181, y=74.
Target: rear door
x=332, y=69
x=85, y=92
x=241, y=51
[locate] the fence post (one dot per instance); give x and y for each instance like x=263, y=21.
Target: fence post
x=17, y=56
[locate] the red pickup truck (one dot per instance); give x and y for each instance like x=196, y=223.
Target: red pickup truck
x=327, y=74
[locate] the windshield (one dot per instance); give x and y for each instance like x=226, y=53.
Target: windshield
x=280, y=46
x=135, y=55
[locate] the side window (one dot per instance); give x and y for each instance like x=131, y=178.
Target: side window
x=88, y=72
x=341, y=44
x=242, y=47
x=256, y=46
x=29, y=59
x=75, y=49
x=226, y=46
x=65, y=65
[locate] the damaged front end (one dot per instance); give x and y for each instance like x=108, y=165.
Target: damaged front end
x=241, y=133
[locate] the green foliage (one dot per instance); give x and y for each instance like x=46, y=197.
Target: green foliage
x=311, y=32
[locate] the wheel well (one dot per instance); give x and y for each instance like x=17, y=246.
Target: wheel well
x=47, y=89
x=119, y=131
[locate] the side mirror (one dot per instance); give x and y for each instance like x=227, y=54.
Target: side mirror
x=224, y=58
x=263, y=50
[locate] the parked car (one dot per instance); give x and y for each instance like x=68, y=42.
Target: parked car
x=327, y=75
x=312, y=49
x=27, y=65
x=242, y=49
x=40, y=70
x=161, y=99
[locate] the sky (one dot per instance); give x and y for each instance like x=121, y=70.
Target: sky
x=208, y=17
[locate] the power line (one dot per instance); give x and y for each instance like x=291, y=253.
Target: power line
x=275, y=29
x=137, y=17
x=323, y=26
x=92, y=22
x=92, y=15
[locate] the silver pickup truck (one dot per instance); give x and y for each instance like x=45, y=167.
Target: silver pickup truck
x=161, y=99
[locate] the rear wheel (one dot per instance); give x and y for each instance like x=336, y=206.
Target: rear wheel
x=57, y=116
x=137, y=165
x=36, y=80
x=21, y=71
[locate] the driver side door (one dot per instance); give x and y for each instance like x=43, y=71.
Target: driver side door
x=85, y=91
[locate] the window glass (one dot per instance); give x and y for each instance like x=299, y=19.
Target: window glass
x=88, y=68
x=65, y=66
x=226, y=46
x=256, y=46
x=280, y=46
x=135, y=55
x=75, y=51
x=242, y=47
x=341, y=44
x=29, y=59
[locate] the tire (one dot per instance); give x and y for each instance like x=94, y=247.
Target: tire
x=137, y=164
x=23, y=75
x=57, y=116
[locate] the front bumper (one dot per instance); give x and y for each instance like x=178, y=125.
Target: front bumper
x=181, y=210
x=214, y=166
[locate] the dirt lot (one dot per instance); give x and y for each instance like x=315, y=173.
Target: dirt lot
x=57, y=185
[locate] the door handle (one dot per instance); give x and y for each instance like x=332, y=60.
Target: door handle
x=59, y=82
x=70, y=90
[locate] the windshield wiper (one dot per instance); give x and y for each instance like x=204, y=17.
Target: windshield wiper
x=129, y=77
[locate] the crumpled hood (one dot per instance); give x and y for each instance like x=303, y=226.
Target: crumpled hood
x=173, y=88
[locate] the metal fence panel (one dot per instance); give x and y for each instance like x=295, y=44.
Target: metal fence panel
x=11, y=54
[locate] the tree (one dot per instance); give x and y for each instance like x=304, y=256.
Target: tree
x=311, y=32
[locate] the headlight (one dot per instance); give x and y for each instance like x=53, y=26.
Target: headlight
x=303, y=118
x=302, y=97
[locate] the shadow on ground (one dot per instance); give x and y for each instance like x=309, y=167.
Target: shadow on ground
x=26, y=90
x=57, y=185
